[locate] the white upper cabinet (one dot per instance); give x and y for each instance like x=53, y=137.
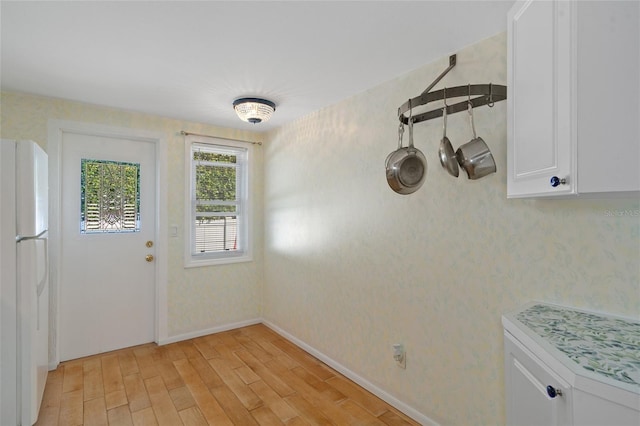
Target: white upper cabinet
x=573, y=124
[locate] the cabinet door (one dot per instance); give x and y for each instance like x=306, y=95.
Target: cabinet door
x=540, y=128
x=527, y=379
x=608, y=93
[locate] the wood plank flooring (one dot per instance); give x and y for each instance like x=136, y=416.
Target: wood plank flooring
x=248, y=376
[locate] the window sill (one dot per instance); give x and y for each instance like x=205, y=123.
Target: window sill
x=192, y=262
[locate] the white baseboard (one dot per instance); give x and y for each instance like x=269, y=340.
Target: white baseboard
x=199, y=333
x=380, y=393
x=193, y=335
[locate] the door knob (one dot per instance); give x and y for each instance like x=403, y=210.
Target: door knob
x=149, y=244
x=149, y=258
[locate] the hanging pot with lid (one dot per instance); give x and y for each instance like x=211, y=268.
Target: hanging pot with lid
x=407, y=166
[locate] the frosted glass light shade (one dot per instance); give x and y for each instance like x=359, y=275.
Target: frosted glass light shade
x=254, y=110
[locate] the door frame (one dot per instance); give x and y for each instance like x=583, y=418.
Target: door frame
x=56, y=130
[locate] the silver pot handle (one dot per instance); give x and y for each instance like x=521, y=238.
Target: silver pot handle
x=410, y=125
x=470, y=110
x=400, y=133
x=444, y=115
x=410, y=133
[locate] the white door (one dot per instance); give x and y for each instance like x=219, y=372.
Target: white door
x=107, y=271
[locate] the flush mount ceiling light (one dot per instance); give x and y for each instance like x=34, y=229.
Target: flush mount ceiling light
x=254, y=110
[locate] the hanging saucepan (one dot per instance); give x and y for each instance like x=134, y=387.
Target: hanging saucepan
x=407, y=166
x=446, y=153
x=474, y=156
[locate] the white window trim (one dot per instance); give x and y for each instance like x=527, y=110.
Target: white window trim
x=191, y=261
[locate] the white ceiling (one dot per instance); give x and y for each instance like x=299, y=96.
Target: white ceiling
x=190, y=59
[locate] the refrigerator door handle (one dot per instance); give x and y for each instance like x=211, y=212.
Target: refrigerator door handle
x=43, y=282
x=20, y=238
x=45, y=277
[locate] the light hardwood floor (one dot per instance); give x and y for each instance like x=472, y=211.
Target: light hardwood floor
x=248, y=376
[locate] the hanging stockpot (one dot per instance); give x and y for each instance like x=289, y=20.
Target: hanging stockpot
x=474, y=156
x=407, y=166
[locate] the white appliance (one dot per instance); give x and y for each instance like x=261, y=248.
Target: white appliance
x=24, y=286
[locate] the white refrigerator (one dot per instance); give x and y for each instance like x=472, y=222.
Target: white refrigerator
x=24, y=286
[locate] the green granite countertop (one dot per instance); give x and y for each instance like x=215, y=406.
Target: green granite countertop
x=603, y=345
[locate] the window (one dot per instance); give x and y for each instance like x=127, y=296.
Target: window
x=217, y=187
x=109, y=196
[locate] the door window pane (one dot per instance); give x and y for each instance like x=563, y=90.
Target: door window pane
x=109, y=196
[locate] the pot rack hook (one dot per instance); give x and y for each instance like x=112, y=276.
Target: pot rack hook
x=491, y=103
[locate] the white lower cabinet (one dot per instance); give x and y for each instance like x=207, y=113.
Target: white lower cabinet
x=570, y=367
x=527, y=379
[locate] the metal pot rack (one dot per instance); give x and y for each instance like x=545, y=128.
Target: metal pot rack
x=487, y=94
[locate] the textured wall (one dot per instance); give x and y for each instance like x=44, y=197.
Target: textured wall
x=352, y=267
x=198, y=298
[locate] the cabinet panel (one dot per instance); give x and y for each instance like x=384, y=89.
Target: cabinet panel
x=527, y=378
x=533, y=73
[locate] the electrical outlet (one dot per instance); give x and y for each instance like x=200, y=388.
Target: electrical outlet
x=400, y=355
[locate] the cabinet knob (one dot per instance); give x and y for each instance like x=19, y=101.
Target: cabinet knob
x=553, y=392
x=555, y=181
